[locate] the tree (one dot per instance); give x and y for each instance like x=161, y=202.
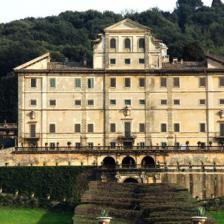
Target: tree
x=216, y=3
x=185, y=9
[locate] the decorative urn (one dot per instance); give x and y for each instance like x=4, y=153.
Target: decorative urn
x=104, y=218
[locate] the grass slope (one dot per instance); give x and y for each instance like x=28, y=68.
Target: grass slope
x=218, y=216
x=33, y=216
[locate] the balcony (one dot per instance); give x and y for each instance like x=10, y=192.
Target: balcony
x=31, y=136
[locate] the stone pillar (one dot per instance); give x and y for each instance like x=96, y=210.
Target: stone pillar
x=83, y=138
x=147, y=40
x=170, y=110
x=106, y=110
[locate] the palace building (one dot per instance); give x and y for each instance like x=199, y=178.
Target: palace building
x=132, y=97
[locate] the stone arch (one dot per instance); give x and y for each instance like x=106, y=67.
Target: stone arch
x=148, y=162
x=109, y=162
x=130, y=180
x=128, y=162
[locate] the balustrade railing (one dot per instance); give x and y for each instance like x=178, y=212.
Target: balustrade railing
x=122, y=148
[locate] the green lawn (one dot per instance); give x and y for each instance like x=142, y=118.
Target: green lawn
x=33, y=216
x=218, y=216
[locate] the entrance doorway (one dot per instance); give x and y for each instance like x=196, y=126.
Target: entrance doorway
x=131, y=180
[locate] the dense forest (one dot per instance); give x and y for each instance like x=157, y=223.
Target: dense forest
x=190, y=31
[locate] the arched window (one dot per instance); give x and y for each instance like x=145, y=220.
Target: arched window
x=113, y=43
x=127, y=43
x=141, y=43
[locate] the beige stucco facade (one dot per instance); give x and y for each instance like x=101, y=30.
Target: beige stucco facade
x=117, y=104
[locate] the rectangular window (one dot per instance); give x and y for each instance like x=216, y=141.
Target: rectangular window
x=141, y=82
x=176, y=127
x=163, y=127
x=163, y=102
x=163, y=82
x=78, y=83
x=77, y=128
x=112, y=61
x=90, y=102
x=33, y=83
x=221, y=127
x=142, y=102
x=112, y=102
x=127, y=82
x=142, y=144
x=52, y=102
x=176, y=82
x=113, y=82
x=202, y=101
x=77, y=102
x=141, y=61
x=221, y=101
x=90, y=128
x=202, y=82
x=221, y=81
x=127, y=102
x=141, y=127
x=33, y=102
x=52, y=128
x=90, y=144
x=202, y=127
x=90, y=83
x=33, y=130
x=112, y=127
x=52, y=82
x=176, y=102
x=127, y=61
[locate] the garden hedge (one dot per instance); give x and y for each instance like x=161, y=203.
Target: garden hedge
x=58, y=182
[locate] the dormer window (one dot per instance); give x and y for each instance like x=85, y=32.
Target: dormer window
x=141, y=43
x=127, y=43
x=113, y=43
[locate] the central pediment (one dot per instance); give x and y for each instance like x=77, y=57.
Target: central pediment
x=126, y=25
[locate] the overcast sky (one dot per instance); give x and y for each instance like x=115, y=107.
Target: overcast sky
x=17, y=9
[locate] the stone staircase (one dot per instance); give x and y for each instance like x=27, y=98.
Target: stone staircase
x=136, y=204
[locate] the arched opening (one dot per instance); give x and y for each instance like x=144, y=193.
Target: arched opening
x=113, y=43
x=130, y=180
x=128, y=162
x=141, y=43
x=127, y=43
x=109, y=163
x=148, y=162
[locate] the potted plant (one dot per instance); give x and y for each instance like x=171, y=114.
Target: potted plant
x=200, y=217
x=104, y=218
